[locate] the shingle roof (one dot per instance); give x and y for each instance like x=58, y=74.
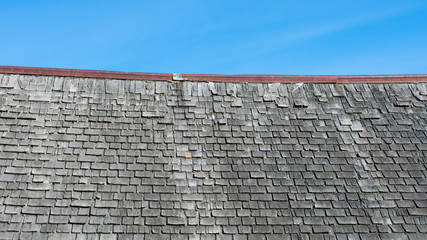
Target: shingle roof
x=86, y=157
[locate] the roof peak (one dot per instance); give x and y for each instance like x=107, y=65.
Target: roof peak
x=253, y=78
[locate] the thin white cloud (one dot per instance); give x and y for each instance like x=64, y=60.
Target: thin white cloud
x=279, y=41
x=340, y=26
x=284, y=40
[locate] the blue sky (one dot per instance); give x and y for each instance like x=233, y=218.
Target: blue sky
x=219, y=37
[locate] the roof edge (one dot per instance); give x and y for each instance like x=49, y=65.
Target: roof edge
x=63, y=72
x=405, y=78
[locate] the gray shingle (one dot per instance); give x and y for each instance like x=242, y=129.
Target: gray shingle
x=105, y=157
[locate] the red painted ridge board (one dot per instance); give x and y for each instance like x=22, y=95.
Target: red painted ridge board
x=409, y=78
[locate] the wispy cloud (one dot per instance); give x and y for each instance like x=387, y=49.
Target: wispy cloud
x=287, y=39
x=255, y=47
x=322, y=30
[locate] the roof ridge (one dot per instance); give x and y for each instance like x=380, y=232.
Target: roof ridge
x=253, y=78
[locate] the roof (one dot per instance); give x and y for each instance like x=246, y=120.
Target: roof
x=102, y=158
x=215, y=77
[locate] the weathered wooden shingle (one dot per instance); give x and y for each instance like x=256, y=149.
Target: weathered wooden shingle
x=123, y=159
